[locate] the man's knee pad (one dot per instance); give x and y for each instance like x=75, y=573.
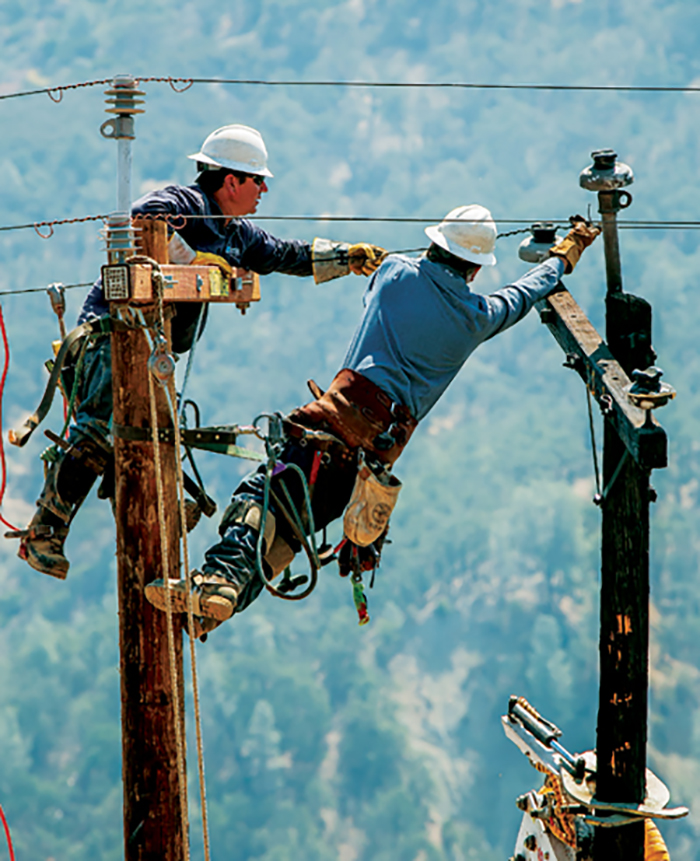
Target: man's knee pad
x=277, y=553
x=279, y=556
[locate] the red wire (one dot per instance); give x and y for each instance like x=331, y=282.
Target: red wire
x=3, y=464
x=7, y=827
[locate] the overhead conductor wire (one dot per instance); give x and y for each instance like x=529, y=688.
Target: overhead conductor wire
x=178, y=220
x=181, y=84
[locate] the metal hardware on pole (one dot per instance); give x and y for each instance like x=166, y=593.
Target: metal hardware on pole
x=153, y=796
x=607, y=176
x=123, y=101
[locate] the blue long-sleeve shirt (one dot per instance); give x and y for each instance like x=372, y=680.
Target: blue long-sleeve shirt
x=421, y=322
x=240, y=242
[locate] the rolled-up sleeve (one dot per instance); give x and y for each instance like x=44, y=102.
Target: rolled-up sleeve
x=511, y=303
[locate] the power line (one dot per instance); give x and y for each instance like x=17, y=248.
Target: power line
x=43, y=289
x=182, y=84
x=178, y=220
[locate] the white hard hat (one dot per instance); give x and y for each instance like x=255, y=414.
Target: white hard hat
x=236, y=148
x=468, y=232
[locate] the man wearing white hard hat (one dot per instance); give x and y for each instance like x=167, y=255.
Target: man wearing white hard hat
x=420, y=323
x=205, y=226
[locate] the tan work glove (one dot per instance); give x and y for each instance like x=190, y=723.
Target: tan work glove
x=205, y=258
x=364, y=259
x=572, y=246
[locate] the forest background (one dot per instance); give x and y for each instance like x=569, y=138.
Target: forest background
x=325, y=740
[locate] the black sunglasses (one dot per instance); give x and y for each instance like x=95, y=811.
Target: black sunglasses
x=257, y=179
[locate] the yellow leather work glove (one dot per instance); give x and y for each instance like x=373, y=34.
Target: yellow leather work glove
x=205, y=258
x=364, y=258
x=572, y=246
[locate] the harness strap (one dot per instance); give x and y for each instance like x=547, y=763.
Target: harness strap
x=101, y=326
x=41, y=530
x=21, y=437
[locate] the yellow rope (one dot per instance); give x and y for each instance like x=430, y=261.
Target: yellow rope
x=171, y=399
x=190, y=618
x=561, y=823
x=174, y=681
x=654, y=846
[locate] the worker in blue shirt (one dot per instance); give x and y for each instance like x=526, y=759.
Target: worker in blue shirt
x=205, y=227
x=420, y=323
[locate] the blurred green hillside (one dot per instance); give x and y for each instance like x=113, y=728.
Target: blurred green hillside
x=324, y=740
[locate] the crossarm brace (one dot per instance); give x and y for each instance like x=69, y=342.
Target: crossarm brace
x=588, y=354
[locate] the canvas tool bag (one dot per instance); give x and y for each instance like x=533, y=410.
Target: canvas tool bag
x=373, y=499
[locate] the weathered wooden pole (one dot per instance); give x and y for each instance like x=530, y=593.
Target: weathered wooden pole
x=152, y=792
x=624, y=595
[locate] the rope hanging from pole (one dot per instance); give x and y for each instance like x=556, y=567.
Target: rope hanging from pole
x=172, y=401
x=168, y=387
x=174, y=681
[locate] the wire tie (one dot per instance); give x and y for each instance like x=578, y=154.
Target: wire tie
x=187, y=82
x=58, y=98
x=44, y=223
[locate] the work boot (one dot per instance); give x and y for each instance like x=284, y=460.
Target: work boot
x=41, y=544
x=213, y=596
x=202, y=627
x=68, y=481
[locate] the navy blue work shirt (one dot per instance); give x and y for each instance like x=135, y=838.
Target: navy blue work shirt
x=240, y=242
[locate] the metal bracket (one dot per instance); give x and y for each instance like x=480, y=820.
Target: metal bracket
x=600, y=498
x=221, y=439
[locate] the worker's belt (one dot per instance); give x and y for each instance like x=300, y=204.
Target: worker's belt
x=361, y=414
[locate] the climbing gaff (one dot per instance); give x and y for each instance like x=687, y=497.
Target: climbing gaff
x=607, y=176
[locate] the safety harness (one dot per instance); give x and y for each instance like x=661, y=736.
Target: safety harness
x=353, y=420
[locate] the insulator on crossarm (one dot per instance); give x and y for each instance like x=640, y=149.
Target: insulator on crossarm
x=124, y=96
x=119, y=235
x=535, y=249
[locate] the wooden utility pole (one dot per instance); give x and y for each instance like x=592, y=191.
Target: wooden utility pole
x=152, y=794
x=633, y=445
x=624, y=595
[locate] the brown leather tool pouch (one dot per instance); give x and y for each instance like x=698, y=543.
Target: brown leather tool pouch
x=361, y=414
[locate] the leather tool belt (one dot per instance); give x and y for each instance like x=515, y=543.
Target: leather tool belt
x=361, y=414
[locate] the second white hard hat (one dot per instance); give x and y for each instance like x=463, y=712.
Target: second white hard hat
x=235, y=147
x=468, y=232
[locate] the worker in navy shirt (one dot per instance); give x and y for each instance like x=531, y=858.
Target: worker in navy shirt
x=205, y=226
x=420, y=323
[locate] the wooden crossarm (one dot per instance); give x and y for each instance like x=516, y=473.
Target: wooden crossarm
x=589, y=355
x=131, y=283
